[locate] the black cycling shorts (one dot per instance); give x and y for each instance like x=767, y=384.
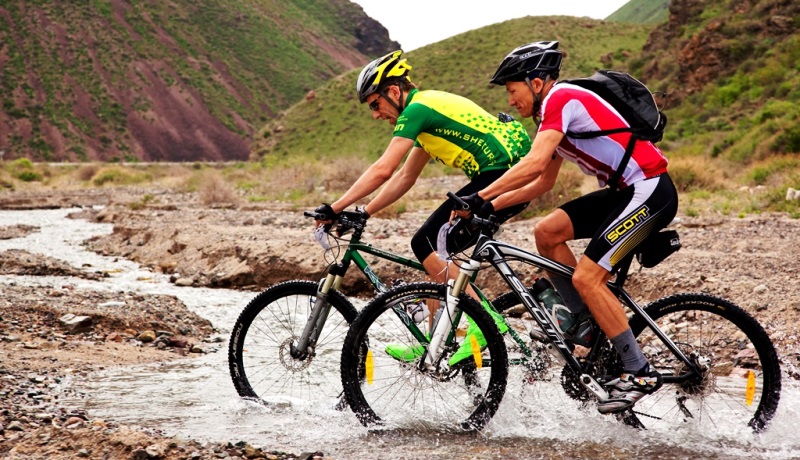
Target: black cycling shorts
x=617, y=221
x=423, y=243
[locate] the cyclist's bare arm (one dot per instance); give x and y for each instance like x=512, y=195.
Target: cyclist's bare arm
x=401, y=182
x=529, y=168
x=541, y=185
x=377, y=174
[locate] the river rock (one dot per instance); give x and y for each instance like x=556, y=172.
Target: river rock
x=147, y=336
x=76, y=324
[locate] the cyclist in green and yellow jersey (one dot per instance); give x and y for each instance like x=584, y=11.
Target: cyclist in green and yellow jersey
x=429, y=124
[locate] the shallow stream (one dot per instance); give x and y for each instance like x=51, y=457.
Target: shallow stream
x=195, y=398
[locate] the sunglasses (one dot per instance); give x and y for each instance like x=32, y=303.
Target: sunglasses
x=374, y=105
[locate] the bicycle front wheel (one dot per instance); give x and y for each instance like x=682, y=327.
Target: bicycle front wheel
x=739, y=382
x=260, y=349
x=387, y=383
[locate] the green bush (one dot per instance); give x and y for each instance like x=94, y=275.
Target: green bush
x=788, y=141
x=29, y=176
x=118, y=176
x=21, y=163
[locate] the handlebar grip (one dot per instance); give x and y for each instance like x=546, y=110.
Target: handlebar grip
x=464, y=206
x=315, y=215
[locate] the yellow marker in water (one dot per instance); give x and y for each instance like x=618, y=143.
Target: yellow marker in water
x=751, y=388
x=370, y=367
x=476, y=351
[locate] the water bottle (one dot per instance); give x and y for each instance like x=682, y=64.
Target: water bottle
x=417, y=310
x=583, y=332
x=546, y=294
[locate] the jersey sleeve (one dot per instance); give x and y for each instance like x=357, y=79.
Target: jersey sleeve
x=413, y=121
x=553, y=114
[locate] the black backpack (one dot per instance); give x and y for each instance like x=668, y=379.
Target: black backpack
x=634, y=102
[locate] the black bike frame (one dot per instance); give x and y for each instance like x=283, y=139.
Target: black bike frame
x=498, y=254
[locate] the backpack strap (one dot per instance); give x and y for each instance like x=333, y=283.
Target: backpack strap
x=593, y=134
x=613, y=182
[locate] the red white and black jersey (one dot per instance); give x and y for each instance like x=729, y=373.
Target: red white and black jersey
x=572, y=108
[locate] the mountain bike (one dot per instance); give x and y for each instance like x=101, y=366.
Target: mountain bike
x=286, y=343
x=719, y=367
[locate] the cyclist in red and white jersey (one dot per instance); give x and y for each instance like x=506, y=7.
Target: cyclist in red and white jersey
x=615, y=218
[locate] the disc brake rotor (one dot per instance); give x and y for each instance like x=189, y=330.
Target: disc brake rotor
x=290, y=363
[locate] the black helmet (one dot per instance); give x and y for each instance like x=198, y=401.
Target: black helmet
x=533, y=60
x=381, y=72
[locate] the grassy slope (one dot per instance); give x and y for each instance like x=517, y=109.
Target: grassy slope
x=246, y=59
x=334, y=124
x=641, y=12
x=739, y=127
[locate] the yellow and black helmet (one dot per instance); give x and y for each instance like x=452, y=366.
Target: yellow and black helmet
x=380, y=73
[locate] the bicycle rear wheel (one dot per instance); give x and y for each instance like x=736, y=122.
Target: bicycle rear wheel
x=386, y=383
x=259, y=358
x=740, y=381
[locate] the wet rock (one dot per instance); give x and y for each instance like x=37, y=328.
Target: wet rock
x=184, y=282
x=147, y=336
x=15, y=426
x=76, y=324
x=113, y=303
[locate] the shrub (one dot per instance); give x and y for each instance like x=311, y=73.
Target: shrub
x=29, y=176
x=213, y=190
x=693, y=173
x=788, y=141
x=87, y=172
x=118, y=176
x=21, y=164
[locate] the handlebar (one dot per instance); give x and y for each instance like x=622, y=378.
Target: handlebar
x=488, y=225
x=461, y=203
x=347, y=220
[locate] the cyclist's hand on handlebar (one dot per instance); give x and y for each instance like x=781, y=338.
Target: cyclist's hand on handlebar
x=473, y=201
x=325, y=214
x=362, y=211
x=486, y=209
x=475, y=204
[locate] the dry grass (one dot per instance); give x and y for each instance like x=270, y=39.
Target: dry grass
x=214, y=190
x=691, y=173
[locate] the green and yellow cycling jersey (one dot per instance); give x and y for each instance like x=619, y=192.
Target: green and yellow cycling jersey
x=459, y=133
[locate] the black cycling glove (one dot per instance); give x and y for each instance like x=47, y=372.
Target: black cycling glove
x=486, y=210
x=326, y=211
x=474, y=201
x=363, y=211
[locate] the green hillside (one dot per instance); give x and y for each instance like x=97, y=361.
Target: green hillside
x=334, y=124
x=641, y=12
x=176, y=80
x=730, y=70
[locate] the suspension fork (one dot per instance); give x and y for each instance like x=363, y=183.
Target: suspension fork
x=443, y=323
x=319, y=313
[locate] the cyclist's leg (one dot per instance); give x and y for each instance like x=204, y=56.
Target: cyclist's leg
x=551, y=235
x=648, y=206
